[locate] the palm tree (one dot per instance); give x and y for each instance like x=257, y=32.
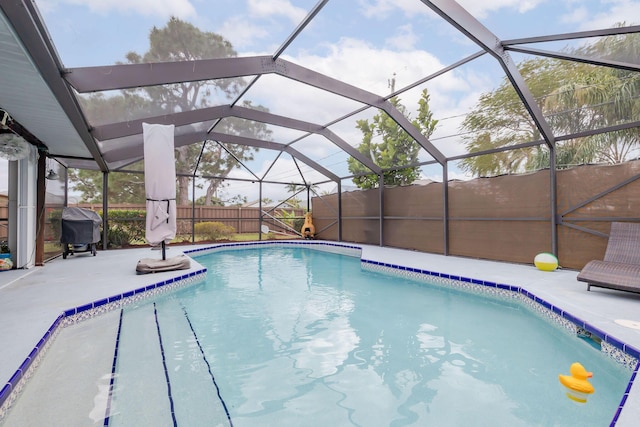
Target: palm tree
x=574, y=97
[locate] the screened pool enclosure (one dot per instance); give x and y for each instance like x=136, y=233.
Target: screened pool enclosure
x=464, y=128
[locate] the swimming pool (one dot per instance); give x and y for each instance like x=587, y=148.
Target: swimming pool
x=375, y=350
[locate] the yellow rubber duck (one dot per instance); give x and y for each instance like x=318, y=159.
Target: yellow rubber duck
x=578, y=388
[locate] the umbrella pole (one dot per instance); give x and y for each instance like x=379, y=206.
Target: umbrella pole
x=164, y=251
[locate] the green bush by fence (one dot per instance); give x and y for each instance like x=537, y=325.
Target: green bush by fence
x=55, y=219
x=126, y=227
x=214, y=230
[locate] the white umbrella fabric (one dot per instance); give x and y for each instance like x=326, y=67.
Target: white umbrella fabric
x=160, y=183
x=160, y=189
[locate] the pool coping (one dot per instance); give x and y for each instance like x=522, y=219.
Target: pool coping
x=621, y=352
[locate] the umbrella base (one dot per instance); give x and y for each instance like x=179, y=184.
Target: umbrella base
x=153, y=265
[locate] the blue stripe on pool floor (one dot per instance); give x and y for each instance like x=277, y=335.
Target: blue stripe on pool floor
x=224, y=405
x=164, y=364
x=113, y=371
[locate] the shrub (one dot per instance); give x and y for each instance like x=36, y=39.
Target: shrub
x=118, y=238
x=214, y=230
x=55, y=227
x=126, y=226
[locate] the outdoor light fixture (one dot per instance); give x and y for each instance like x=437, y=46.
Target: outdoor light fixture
x=51, y=175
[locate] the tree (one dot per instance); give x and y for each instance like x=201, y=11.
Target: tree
x=574, y=97
x=181, y=41
x=123, y=187
x=294, y=189
x=600, y=97
x=396, y=149
x=500, y=120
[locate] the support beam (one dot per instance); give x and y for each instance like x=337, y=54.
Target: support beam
x=41, y=194
x=445, y=210
x=105, y=210
x=127, y=76
x=381, y=209
x=210, y=114
x=186, y=139
x=340, y=211
x=627, y=66
x=575, y=35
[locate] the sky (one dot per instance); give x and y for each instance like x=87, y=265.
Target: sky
x=366, y=43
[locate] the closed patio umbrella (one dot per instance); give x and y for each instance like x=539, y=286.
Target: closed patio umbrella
x=160, y=189
x=159, y=183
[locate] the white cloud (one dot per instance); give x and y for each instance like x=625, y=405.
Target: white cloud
x=269, y=8
x=362, y=65
x=164, y=8
x=240, y=32
x=481, y=9
x=620, y=11
x=382, y=8
x=244, y=32
x=404, y=40
x=577, y=15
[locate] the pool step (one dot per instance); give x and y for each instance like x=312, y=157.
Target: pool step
x=161, y=373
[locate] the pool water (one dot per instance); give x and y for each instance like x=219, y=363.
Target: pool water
x=293, y=337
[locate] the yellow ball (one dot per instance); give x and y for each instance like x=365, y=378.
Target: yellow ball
x=546, y=261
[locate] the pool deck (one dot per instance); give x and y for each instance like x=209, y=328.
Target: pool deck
x=31, y=300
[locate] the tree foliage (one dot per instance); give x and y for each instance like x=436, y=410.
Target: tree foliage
x=391, y=147
x=181, y=41
x=123, y=187
x=574, y=97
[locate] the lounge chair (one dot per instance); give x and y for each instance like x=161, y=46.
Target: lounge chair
x=620, y=268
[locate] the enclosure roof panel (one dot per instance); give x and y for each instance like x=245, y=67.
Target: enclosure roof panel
x=82, y=77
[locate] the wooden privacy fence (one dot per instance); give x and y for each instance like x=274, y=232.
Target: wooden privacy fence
x=242, y=219
x=506, y=218
x=4, y=222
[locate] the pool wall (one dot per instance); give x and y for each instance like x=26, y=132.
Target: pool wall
x=624, y=354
